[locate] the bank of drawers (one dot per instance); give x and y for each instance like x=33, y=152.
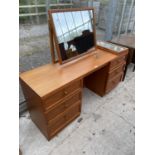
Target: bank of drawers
x=62, y=107
x=116, y=71
x=64, y=118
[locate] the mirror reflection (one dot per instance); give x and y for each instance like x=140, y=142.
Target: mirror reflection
x=74, y=31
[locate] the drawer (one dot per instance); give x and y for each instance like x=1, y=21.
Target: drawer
x=117, y=62
x=62, y=93
x=115, y=72
x=62, y=106
x=113, y=82
x=62, y=120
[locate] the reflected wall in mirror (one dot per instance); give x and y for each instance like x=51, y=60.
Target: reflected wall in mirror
x=74, y=32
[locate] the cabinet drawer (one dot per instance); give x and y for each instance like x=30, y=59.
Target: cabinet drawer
x=64, y=92
x=117, y=62
x=113, y=82
x=115, y=72
x=62, y=106
x=62, y=120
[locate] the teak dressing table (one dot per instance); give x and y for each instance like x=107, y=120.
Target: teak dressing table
x=54, y=91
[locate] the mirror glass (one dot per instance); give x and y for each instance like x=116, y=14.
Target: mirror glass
x=74, y=32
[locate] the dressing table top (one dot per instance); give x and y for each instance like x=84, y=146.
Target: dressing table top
x=48, y=78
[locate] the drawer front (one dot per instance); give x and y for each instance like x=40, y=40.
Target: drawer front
x=58, y=123
x=61, y=94
x=115, y=72
x=117, y=62
x=62, y=106
x=113, y=82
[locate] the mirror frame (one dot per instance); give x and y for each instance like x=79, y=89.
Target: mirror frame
x=53, y=36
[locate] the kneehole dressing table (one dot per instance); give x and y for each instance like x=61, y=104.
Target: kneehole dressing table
x=54, y=91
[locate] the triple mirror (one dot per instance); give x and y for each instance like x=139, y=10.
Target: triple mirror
x=72, y=33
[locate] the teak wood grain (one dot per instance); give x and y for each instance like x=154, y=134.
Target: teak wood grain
x=48, y=78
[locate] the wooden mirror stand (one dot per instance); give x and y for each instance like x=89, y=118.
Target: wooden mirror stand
x=54, y=45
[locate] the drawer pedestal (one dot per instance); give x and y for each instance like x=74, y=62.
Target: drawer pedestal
x=52, y=113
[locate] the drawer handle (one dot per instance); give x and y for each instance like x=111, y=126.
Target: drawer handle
x=65, y=92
